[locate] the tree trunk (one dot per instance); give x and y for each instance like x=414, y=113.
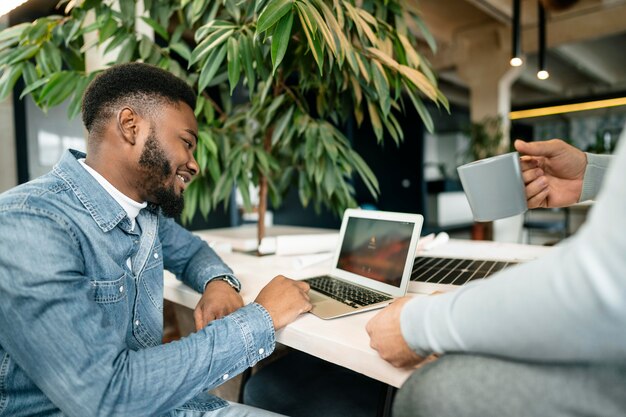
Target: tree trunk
x=260, y=231
x=262, y=209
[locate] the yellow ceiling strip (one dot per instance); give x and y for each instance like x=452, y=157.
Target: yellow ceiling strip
x=567, y=108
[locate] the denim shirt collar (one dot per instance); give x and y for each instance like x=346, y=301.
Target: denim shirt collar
x=103, y=208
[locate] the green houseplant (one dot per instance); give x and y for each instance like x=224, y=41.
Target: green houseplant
x=304, y=68
x=486, y=138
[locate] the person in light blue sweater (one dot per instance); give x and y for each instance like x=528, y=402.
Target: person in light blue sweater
x=545, y=338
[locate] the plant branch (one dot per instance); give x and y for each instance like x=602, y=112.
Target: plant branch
x=214, y=104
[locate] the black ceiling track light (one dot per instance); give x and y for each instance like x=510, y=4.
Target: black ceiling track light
x=542, y=72
x=516, y=48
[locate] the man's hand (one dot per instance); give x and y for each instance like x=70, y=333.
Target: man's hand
x=285, y=299
x=386, y=336
x=219, y=300
x=553, y=172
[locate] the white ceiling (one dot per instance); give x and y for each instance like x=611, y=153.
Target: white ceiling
x=585, y=55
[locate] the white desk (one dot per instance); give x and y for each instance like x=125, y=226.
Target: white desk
x=342, y=341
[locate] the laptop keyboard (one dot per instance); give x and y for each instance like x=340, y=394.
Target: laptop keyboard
x=346, y=293
x=454, y=271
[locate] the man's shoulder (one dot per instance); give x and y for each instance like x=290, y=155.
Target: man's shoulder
x=44, y=193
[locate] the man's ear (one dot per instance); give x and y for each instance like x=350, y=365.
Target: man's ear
x=128, y=124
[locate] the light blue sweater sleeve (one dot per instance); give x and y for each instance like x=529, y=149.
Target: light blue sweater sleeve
x=569, y=305
x=597, y=166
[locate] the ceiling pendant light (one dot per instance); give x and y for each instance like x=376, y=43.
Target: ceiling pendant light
x=542, y=72
x=516, y=47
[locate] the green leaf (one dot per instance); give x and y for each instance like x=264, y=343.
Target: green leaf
x=375, y=120
x=272, y=13
x=13, y=31
x=145, y=47
x=191, y=200
x=392, y=130
x=178, y=33
x=197, y=9
x=22, y=54
x=419, y=80
x=426, y=33
x=206, y=140
x=274, y=105
x=314, y=16
x=314, y=44
x=127, y=9
x=242, y=186
x=181, y=49
x=211, y=66
x=337, y=31
x=212, y=26
x=263, y=159
x=107, y=30
x=75, y=105
x=117, y=40
x=204, y=203
x=30, y=74
x=382, y=88
x=248, y=62
x=280, y=40
x=33, y=86
x=421, y=109
x=9, y=77
x=234, y=63
x=127, y=51
x=210, y=44
x=281, y=125
x=73, y=32
x=157, y=27
x=60, y=86
x=365, y=173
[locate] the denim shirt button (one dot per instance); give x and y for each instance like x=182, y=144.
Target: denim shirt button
x=225, y=377
x=121, y=288
x=136, y=322
x=156, y=256
x=261, y=351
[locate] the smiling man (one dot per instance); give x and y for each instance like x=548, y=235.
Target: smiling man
x=81, y=270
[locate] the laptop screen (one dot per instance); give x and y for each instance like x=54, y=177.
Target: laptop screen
x=376, y=249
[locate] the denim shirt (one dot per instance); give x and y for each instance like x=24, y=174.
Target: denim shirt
x=80, y=333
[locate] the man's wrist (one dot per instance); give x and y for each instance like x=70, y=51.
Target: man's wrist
x=227, y=279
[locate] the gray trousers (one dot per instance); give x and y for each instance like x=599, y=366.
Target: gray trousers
x=478, y=386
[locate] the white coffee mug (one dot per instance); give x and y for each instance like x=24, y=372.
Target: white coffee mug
x=494, y=187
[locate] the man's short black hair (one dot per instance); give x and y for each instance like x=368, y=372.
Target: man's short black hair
x=141, y=85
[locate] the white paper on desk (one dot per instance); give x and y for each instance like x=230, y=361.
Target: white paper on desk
x=304, y=261
x=299, y=244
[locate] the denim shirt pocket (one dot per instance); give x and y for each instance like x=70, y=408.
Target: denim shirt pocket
x=112, y=298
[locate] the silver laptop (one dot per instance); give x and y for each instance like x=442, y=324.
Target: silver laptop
x=372, y=263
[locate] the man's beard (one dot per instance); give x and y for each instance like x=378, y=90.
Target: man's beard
x=157, y=173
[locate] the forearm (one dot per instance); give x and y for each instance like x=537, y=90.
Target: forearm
x=569, y=305
x=155, y=380
x=189, y=257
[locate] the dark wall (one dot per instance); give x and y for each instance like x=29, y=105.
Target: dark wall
x=397, y=167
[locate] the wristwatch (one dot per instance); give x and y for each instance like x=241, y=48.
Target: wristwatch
x=229, y=280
